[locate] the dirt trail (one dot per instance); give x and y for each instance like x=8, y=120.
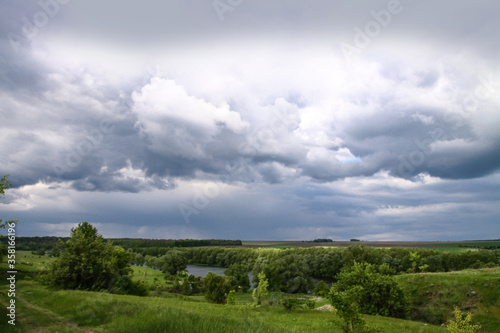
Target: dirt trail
x=55, y=319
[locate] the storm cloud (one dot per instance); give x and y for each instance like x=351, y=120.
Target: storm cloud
x=251, y=120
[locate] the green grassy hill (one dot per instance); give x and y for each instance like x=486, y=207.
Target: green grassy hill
x=433, y=295
x=40, y=309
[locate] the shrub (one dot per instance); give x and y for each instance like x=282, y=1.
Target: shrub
x=310, y=304
x=321, y=289
x=231, y=297
x=347, y=305
x=216, y=288
x=260, y=292
x=377, y=294
x=290, y=302
x=462, y=323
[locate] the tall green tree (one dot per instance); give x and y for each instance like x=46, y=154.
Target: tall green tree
x=260, y=292
x=87, y=262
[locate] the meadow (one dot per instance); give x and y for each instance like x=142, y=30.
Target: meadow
x=42, y=309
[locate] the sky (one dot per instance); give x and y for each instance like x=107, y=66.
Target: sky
x=252, y=120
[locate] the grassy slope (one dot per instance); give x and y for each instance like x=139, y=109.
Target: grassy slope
x=433, y=295
x=42, y=310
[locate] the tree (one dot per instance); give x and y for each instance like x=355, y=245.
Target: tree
x=290, y=273
x=260, y=292
x=321, y=289
x=239, y=276
x=87, y=262
x=173, y=262
x=216, y=288
x=347, y=305
x=377, y=294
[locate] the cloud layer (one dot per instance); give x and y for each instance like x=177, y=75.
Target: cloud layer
x=188, y=120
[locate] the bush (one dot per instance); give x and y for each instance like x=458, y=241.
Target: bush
x=260, y=292
x=377, y=294
x=321, y=289
x=347, y=305
x=290, y=302
x=231, y=297
x=310, y=304
x=216, y=288
x=462, y=323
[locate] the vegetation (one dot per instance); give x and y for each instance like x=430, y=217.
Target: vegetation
x=238, y=274
x=321, y=240
x=216, y=288
x=153, y=247
x=84, y=311
x=173, y=262
x=375, y=293
x=321, y=289
x=87, y=262
x=260, y=292
x=432, y=296
x=347, y=305
x=462, y=323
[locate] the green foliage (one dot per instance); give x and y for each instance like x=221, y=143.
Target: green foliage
x=231, y=297
x=260, y=292
x=87, y=262
x=321, y=289
x=415, y=259
x=290, y=302
x=462, y=323
x=310, y=304
x=173, y=262
x=376, y=294
x=238, y=274
x=216, y=288
x=289, y=272
x=347, y=305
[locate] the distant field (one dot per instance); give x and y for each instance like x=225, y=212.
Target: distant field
x=460, y=246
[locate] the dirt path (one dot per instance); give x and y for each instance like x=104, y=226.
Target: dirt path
x=34, y=310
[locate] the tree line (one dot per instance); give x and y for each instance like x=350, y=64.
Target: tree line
x=47, y=244
x=293, y=270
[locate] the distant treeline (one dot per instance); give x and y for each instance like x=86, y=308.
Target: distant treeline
x=155, y=246
x=320, y=240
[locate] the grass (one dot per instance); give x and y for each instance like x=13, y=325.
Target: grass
x=433, y=295
x=41, y=309
x=101, y=312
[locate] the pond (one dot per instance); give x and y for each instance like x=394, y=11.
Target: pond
x=202, y=271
